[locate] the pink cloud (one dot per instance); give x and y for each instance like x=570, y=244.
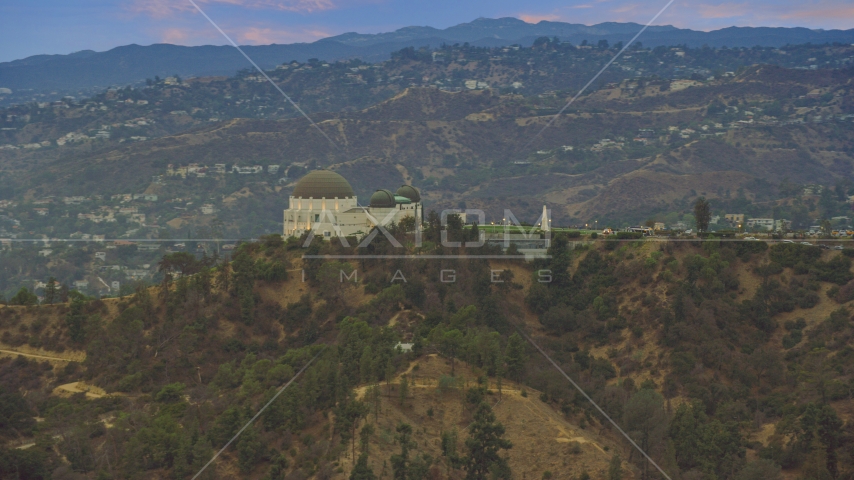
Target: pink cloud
x=814, y=13
x=537, y=18
x=825, y=12
x=174, y=35
x=166, y=8
x=266, y=36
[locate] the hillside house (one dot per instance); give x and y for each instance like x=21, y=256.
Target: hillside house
x=735, y=218
x=782, y=224
x=255, y=169
x=766, y=224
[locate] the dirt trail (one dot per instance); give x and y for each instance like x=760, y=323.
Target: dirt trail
x=40, y=357
x=72, y=388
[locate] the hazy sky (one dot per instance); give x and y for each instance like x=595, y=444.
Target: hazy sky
x=30, y=27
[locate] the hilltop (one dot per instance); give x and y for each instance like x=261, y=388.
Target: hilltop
x=733, y=345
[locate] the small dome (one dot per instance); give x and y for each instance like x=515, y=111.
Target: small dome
x=409, y=192
x=383, y=199
x=323, y=184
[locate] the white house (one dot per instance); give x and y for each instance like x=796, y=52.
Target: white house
x=761, y=223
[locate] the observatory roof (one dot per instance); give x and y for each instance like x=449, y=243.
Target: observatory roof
x=383, y=199
x=323, y=184
x=409, y=192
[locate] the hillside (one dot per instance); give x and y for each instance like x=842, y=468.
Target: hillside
x=461, y=147
x=161, y=163
x=729, y=359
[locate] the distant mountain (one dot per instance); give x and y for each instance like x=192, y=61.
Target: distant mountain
x=133, y=63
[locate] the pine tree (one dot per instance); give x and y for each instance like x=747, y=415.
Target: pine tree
x=366, y=364
x=249, y=450
x=615, y=468
x=362, y=471
x=400, y=462
x=514, y=355
x=404, y=390
x=278, y=467
x=449, y=451
x=51, y=293
x=702, y=214
x=365, y=435
x=223, y=281
x=484, y=442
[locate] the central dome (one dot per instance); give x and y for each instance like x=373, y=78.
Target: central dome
x=323, y=184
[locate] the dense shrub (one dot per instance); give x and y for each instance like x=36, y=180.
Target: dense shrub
x=790, y=254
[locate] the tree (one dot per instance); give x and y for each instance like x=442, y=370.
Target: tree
x=702, y=214
x=830, y=433
x=224, y=277
x=365, y=438
x=449, y=451
x=404, y=389
x=615, y=468
x=362, y=471
x=51, y=292
x=182, y=262
x=645, y=421
x=484, y=443
x=760, y=469
x=249, y=450
x=400, y=462
x=347, y=418
x=515, y=356
x=75, y=320
x=375, y=397
x=449, y=345
x=24, y=297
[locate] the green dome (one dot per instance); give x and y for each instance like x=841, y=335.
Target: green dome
x=383, y=199
x=409, y=192
x=323, y=184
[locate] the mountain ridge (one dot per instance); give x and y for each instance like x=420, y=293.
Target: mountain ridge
x=132, y=64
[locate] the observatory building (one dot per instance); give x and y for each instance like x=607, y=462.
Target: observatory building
x=324, y=202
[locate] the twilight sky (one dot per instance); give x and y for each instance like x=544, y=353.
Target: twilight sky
x=30, y=27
